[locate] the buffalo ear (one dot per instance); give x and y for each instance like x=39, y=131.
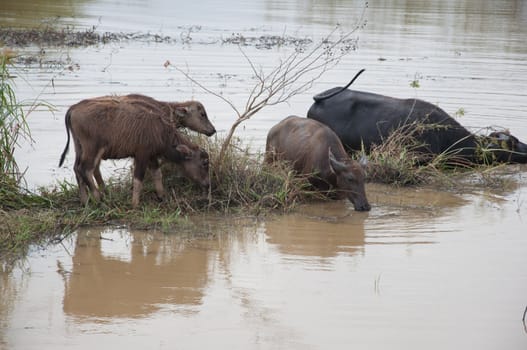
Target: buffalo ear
x=182, y=111
x=335, y=165
x=184, y=150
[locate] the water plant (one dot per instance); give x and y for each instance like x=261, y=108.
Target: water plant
x=13, y=124
x=13, y=128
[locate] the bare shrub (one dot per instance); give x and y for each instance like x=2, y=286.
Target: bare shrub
x=292, y=75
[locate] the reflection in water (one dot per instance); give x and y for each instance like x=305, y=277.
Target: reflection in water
x=133, y=276
x=410, y=216
x=333, y=230
x=8, y=293
x=323, y=277
x=406, y=216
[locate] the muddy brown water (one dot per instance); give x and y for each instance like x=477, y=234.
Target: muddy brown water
x=423, y=269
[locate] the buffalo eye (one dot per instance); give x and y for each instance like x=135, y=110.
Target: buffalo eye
x=350, y=178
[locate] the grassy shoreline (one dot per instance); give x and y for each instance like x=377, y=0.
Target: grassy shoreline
x=243, y=184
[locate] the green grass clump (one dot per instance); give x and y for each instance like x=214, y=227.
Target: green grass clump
x=13, y=125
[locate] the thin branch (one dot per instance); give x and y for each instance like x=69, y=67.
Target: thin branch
x=261, y=81
x=255, y=71
x=285, y=80
x=212, y=92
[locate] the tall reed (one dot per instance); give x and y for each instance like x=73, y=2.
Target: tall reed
x=13, y=124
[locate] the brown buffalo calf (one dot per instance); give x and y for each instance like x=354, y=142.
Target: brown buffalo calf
x=315, y=150
x=189, y=114
x=111, y=129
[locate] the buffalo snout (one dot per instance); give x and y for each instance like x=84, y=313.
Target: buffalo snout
x=350, y=179
x=210, y=132
x=363, y=206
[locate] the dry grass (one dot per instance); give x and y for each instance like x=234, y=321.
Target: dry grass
x=400, y=161
x=242, y=181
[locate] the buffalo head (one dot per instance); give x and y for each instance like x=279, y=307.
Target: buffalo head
x=193, y=116
x=350, y=180
x=194, y=163
x=505, y=148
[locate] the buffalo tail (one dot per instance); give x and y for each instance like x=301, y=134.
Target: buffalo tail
x=68, y=127
x=322, y=97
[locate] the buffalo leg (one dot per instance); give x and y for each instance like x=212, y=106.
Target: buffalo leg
x=139, y=175
x=87, y=168
x=97, y=174
x=98, y=179
x=83, y=194
x=157, y=177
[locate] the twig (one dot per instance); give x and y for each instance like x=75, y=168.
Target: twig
x=206, y=89
x=523, y=320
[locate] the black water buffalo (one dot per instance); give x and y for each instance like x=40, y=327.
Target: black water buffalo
x=315, y=150
x=363, y=119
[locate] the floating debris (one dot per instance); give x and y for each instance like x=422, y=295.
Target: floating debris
x=266, y=41
x=49, y=36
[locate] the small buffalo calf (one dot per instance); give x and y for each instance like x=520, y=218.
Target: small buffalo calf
x=315, y=150
x=113, y=129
